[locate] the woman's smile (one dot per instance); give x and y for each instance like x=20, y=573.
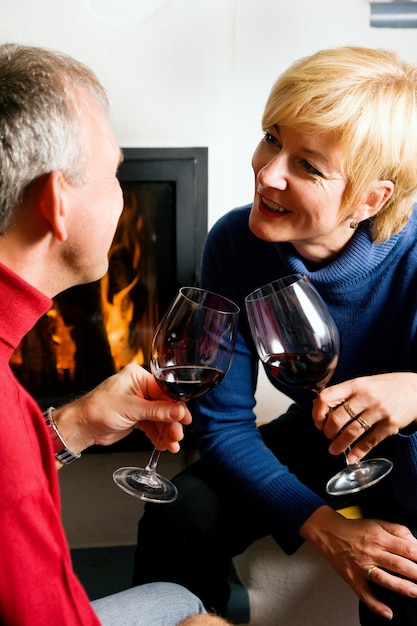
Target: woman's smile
x=267, y=206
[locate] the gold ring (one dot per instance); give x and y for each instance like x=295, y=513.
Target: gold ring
x=349, y=410
x=370, y=570
x=363, y=423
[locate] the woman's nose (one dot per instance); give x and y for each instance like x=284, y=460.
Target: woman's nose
x=274, y=173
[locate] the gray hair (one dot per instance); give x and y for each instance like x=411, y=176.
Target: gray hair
x=40, y=127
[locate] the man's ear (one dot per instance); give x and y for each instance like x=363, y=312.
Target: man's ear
x=51, y=203
x=379, y=193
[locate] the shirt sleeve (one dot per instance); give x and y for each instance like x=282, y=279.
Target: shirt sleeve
x=38, y=586
x=225, y=422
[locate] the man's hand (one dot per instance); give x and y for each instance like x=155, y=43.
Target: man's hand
x=130, y=399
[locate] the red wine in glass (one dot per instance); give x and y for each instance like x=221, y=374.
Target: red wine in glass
x=302, y=370
x=191, y=353
x=187, y=382
x=298, y=342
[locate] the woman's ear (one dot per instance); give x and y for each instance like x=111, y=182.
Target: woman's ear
x=52, y=204
x=379, y=193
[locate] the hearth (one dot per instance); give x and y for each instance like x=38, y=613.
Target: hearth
x=94, y=330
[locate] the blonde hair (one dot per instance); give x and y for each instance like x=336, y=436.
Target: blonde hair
x=368, y=99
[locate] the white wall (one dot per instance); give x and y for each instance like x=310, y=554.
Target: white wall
x=195, y=72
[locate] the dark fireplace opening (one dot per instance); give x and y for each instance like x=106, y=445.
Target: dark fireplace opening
x=94, y=330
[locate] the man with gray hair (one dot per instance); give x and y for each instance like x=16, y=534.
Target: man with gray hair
x=60, y=202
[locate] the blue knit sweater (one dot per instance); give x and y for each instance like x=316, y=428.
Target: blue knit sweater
x=371, y=292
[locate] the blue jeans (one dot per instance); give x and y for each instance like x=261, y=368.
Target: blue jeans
x=159, y=604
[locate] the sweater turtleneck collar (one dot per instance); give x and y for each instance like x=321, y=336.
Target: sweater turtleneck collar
x=21, y=306
x=360, y=257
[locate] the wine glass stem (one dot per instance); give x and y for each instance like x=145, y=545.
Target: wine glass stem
x=349, y=448
x=346, y=452
x=154, y=459
x=351, y=465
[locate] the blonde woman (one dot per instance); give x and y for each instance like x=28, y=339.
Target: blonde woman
x=335, y=175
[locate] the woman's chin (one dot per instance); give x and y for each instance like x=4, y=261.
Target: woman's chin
x=265, y=229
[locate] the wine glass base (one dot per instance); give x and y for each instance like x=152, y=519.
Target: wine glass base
x=358, y=476
x=145, y=484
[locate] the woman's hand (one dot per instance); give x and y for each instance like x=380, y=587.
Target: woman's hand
x=352, y=547
x=375, y=408
x=130, y=399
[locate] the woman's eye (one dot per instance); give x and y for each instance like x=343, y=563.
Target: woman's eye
x=310, y=168
x=270, y=138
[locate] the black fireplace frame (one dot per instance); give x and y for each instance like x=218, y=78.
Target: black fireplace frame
x=187, y=168
x=185, y=172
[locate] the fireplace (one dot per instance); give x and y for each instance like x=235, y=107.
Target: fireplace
x=94, y=330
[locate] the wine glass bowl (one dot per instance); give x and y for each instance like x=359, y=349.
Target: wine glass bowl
x=191, y=353
x=192, y=347
x=298, y=342
x=294, y=333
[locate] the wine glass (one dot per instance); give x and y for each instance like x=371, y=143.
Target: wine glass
x=191, y=353
x=298, y=342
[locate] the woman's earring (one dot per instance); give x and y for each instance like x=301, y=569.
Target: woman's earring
x=353, y=224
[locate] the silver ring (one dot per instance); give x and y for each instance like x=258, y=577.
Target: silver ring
x=370, y=570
